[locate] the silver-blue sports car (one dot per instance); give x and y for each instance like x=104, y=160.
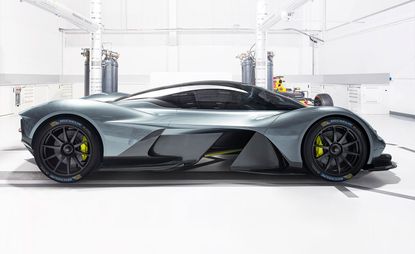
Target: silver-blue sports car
x=174, y=126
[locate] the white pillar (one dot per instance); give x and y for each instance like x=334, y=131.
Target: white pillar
x=172, y=47
x=317, y=50
x=95, y=75
x=260, y=47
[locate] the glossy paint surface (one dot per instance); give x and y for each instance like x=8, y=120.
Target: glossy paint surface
x=123, y=123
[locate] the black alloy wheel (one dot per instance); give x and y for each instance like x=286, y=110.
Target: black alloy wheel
x=67, y=149
x=335, y=149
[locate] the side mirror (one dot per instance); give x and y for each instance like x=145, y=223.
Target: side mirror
x=323, y=99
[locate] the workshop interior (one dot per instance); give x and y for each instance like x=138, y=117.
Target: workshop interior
x=207, y=126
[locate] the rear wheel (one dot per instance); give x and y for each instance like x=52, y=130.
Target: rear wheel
x=67, y=149
x=335, y=149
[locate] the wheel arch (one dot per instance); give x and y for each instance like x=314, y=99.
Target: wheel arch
x=45, y=121
x=360, y=125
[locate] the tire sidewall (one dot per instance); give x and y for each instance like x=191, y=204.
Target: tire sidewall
x=315, y=129
x=324, y=99
x=95, y=156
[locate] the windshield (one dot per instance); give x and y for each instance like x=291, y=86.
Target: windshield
x=273, y=100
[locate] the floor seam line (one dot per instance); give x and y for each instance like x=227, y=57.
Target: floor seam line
x=347, y=192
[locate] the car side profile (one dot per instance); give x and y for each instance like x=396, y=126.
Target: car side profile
x=169, y=127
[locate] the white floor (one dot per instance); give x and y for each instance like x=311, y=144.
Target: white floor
x=208, y=213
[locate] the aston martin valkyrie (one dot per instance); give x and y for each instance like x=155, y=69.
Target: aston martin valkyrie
x=174, y=126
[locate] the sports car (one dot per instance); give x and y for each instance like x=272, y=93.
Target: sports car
x=170, y=127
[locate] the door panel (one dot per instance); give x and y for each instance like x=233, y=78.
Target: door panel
x=229, y=119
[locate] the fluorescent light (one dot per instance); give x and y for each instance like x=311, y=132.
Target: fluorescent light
x=64, y=12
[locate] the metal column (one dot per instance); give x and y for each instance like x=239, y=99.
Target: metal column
x=95, y=78
x=260, y=48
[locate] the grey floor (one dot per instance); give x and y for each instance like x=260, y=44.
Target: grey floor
x=190, y=211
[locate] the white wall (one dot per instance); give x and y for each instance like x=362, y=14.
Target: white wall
x=382, y=43
x=144, y=54
x=29, y=40
x=31, y=44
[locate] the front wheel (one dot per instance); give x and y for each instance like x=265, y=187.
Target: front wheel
x=335, y=149
x=323, y=99
x=67, y=149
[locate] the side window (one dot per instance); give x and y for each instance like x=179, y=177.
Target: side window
x=155, y=93
x=257, y=102
x=180, y=100
x=219, y=99
x=265, y=100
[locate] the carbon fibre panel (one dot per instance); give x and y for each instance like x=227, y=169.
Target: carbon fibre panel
x=142, y=147
x=191, y=147
x=258, y=154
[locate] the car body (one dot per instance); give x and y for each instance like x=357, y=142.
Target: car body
x=173, y=126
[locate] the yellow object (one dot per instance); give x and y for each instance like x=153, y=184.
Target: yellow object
x=348, y=176
x=279, y=86
x=223, y=152
x=84, y=148
x=319, y=147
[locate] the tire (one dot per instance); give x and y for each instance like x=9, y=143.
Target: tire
x=67, y=149
x=323, y=99
x=335, y=157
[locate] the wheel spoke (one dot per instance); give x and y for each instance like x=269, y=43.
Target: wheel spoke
x=334, y=135
x=59, y=163
x=56, y=138
x=74, y=136
x=350, y=144
x=321, y=146
x=78, y=162
x=68, y=165
x=328, y=164
x=81, y=153
x=50, y=157
x=326, y=139
x=348, y=162
x=65, y=136
x=343, y=138
x=77, y=145
x=322, y=156
x=51, y=147
x=337, y=164
x=351, y=153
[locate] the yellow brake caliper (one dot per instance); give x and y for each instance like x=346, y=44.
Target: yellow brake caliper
x=84, y=148
x=319, y=148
